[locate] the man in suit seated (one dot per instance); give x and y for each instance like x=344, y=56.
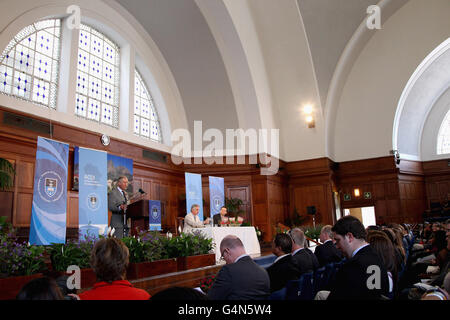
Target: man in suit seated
x=241, y=278
x=327, y=251
x=363, y=276
x=283, y=268
x=303, y=258
x=222, y=216
x=191, y=220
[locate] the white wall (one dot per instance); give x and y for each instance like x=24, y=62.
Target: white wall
x=365, y=116
x=431, y=128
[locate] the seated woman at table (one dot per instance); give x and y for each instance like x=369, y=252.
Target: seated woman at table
x=221, y=217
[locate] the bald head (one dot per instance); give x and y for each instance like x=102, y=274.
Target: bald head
x=231, y=247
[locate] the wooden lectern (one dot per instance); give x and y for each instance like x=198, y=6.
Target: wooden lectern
x=138, y=213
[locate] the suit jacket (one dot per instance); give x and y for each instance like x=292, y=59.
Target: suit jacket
x=115, y=199
x=328, y=253
x=217, y=219
x=352, y=278
x=281, y=272
x=305, y=261
x=191, y=221
x=242, y=280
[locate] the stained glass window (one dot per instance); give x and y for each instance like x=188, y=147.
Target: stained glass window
x=29, y=64
x=443, y=145
x=146, y=121
x=97, y=88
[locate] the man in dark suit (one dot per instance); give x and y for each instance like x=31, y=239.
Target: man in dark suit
x=362, y=276
x=241, y=278
x=117, y=204
x=303, y=258
x=217, y=218
x=327, y=251
x=283, y=268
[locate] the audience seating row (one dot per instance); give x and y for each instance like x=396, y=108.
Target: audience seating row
x=307, y=286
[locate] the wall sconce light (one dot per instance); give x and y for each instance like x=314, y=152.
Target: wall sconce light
x=356, y=192
x=308, y=110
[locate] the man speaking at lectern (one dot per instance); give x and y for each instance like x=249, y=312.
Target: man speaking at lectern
x=117, y=204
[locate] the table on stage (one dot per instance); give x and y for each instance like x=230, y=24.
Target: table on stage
x=246, y=234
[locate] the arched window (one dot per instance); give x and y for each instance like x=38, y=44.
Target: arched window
x=146, y=122
x=29, y=64
x=443, y=145
x=97, y=88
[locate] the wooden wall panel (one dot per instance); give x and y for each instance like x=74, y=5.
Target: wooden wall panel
x=6, y=205
x=24, y=203
x=399, y=192
x=72, y=210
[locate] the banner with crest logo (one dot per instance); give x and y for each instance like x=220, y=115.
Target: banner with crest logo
x=216, y=194
x=92, y=194
x=154, y=215
x=49, y=208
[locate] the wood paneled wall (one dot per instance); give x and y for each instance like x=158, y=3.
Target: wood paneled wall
x=311, y=183
x=399, y=193
x=437, y=180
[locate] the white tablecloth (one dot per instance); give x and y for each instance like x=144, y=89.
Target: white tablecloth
x=246, y=234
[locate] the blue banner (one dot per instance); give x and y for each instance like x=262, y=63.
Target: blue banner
x=154, y=214
x=49, y=209
x=216, y=195
x=92, y=195
x=194, y=192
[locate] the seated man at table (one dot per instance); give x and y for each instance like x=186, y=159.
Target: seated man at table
x=192, y=220
x=241, y=278
x=221, y=217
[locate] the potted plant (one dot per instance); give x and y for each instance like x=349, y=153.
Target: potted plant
x=75, y=253
x=313, y=232
x=192, y=250
x=6, y=174
x=148, y=256
x=19, y=262
x=234, y=207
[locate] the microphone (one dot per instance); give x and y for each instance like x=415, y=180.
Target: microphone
x=142, y=191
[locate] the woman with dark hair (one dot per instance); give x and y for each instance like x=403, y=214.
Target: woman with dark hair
x=40, y=289
x=383, y=246
x=109, y=259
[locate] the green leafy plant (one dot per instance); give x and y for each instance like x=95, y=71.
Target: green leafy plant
x=18, y=259
x=233, y=206
x=6, y=174
x=187, y=245
x=72, y=253
x=313, y=232
x=147, y=246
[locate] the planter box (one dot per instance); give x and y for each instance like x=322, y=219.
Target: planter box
x=194, y=262
x=88, y=277
x=10, y=287
x=150, y=269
